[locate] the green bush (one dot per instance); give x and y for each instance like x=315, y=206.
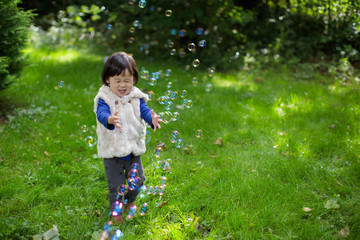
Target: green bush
x=14, y=24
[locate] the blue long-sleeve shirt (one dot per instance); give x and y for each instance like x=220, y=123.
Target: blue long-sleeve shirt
x=103, y=113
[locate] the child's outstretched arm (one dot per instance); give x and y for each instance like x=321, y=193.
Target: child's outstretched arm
x=114, y=119
x=155, y=119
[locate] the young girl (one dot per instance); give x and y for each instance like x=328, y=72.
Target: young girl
x=121, y=113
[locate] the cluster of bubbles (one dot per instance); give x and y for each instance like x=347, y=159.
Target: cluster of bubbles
x=61, y=84
x=90, y=141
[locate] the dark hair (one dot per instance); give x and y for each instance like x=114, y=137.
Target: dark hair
x=116, y=64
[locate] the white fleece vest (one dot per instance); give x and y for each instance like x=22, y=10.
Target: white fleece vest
x=116, y=142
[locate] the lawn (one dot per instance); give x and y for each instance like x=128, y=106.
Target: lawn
x=287, y=165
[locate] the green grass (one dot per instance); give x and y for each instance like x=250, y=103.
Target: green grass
x=286, y=144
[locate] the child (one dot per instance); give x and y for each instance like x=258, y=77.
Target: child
x=120, y=110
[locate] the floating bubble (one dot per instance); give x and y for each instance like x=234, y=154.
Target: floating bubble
x=84, y=128
x=163, y=180
x=220, y=39
x=131, y=40
x=90, y=141
x=136, y=23
x=172, y=51
x=182, y=33
x=148, y=136
x=166, y=166
x=208, y=87
x=61, y=84
x=132, y=30
x=109, y=26
x=156, y=190
x=174, y=136
x=168, y=13
x=175, y=116
x=145, y=74
x=183, y=93
x=168, y=72
x=202, y=43
x=133, y=183
x=173, y=32
x=132, y=211
x=198, y=133
x=144, y=209
x=152, y=81
x=151, y=95
x=166, y=116
x=169, y=85
x=194, y=81
x=135, y=166
x=142, y=3
x=211, y=72
x=184, y=102
x=118, y=235
x=122, y=189
x=168, y=93
x=150, y=189
x=132, y=2
x=182, y=53
x=179, y=143
x=189, y=103
x=158, y=152
x=191, y=46
x=118, y=208
x=133, y=173
x=173, y=95
x=199, y=31
x=162, y=189
x=196, y=63
x=187, y=67
x=162, y=100
x=142, y=191
x=169, y=105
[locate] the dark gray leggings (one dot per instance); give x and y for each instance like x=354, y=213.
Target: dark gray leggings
x=117, y=171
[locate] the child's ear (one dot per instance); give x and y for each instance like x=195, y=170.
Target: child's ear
x=108, y=80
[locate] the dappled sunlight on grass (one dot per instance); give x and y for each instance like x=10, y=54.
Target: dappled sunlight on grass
x=235, y=81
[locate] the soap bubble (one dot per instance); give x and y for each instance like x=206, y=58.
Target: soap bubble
x=168, y=93
x=122, y=190
x=142, y=191
x=211, y=72
x=189, y=103
x=183, y=93
x=158, y=152
x=179, y=143
x=174, y=136
x=135, y=166
x=173, y=32
x=109, y=26
x=131, y=40
x=142, y=3
x=182, y=33
x=150, y=190
x=144, y=209
x=171, y=44
x=151, y=95
x=132, y=30
x=182, y=53
x=208, y=87
x=175, y=116
x=184, y=102
x=156, y=190
x=118, y=208
x=162, y=99
x=202, y=43
x=169, y=105
x=198, y=133
x=194, y=81
x=199, y=31
x=136, y=23
x=118, y=235
x=162, y=189
x=90, y=141
x=133, y=183
x=132, y=211
x=191, y=46
x=169, y=85
x=166, y=166
x=148, y=136
x=61, y=84
x=173, y=51
x=133, y=173
x=196, y=63
x=84, y=128
x=166, y=116
x=152, y=81
x=168, y=13
x=168, y=71
x=220, y=39
x=132, y=2
x=173, y=95
x=163, y=180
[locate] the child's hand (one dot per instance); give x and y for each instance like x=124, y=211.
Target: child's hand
x=114, y=120
x=155, y=120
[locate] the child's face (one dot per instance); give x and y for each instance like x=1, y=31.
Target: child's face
x=121, y=84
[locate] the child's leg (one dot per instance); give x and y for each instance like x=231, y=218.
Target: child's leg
x=131, y=195
x=114, y=169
